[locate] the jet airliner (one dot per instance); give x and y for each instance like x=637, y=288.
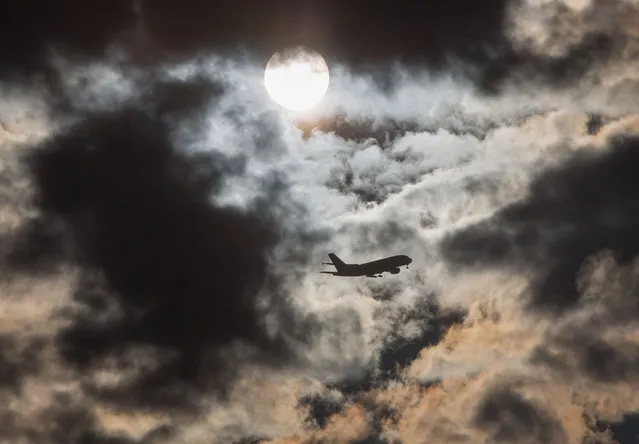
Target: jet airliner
x=368, y=269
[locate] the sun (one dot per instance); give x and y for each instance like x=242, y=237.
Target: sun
x=296, y=78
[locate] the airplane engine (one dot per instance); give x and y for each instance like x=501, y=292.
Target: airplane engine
x=394, y=271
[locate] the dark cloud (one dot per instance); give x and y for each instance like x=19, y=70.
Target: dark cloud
x=623, y=432
x=181, y=272
x=586, y=204
x=321, y=408
x=146, y=32
x=66, y=421
x=586, y=354
x=371, y=440
x=594, y=124
x=252, y=440
x=354, y=29
x=176, y=99
x=509, y=418
x=399, y=351
x=226, y=26
x=383, y=132
x=599, y=45
x=524, y=67
x=36, y=246
x=30, y=29
x=596, y=437
x=19, y=358
x=365, y=35
x=379, y=415
x=75, y=424
x=177, y=103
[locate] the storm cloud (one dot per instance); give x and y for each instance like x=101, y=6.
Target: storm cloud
x=585, y=205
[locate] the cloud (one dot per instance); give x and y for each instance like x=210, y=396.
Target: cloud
x=148, y=33
x=547, y=231
x=31, y=29
x=508, y=417
x=165, y=253
x=163, y=225
x=556, y=42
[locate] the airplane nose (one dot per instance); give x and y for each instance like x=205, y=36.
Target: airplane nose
x=410, y=260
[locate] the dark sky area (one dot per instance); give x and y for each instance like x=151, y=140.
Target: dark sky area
x=437, y=34
x=358, y=31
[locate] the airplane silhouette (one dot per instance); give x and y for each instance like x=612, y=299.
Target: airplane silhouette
x=368, y=269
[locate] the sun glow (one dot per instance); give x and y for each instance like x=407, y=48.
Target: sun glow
x=297, y=78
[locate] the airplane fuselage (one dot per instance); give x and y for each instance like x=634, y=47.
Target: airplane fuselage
x=370, y=269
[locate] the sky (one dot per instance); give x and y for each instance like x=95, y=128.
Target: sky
x=164, y=222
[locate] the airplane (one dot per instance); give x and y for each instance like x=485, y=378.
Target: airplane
x=372, y=269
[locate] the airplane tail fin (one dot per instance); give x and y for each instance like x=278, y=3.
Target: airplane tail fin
x=339, y=264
